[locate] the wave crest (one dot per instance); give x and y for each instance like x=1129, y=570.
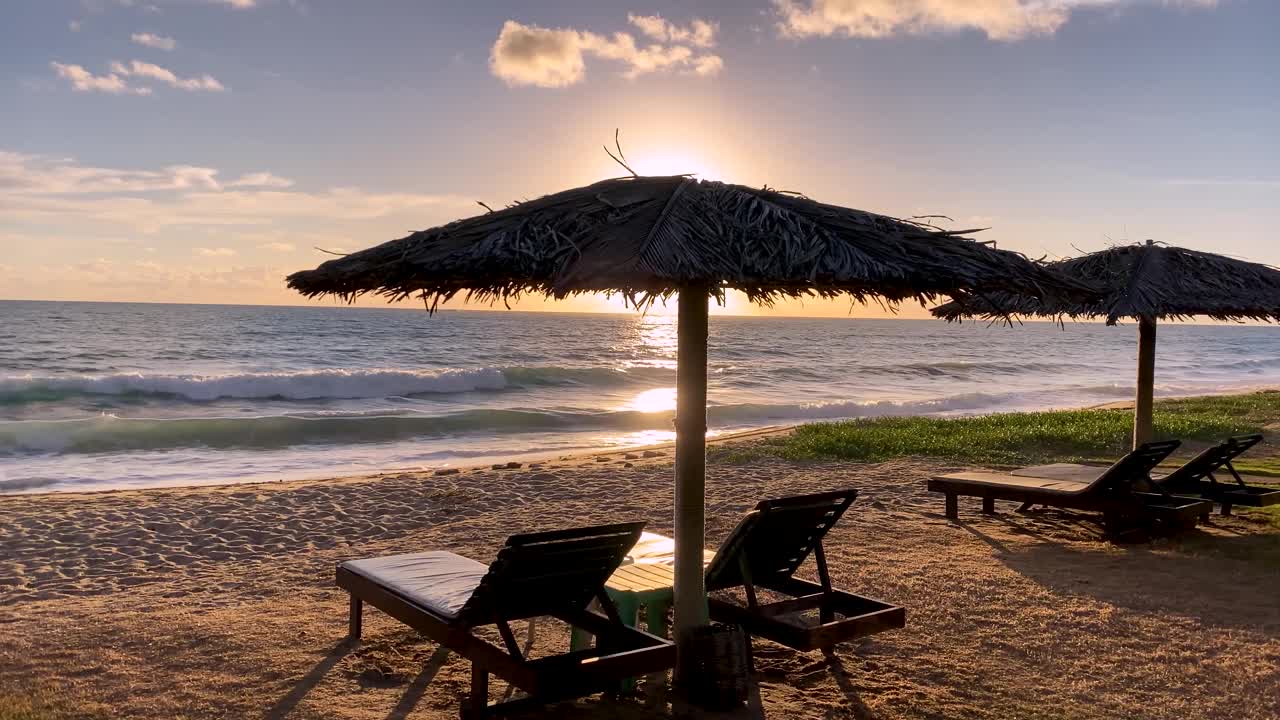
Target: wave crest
x=109, y=433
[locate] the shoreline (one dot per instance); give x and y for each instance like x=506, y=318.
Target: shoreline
x=554, y=459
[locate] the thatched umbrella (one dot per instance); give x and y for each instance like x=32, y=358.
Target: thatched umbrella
x=1149, y=282
x=653, y=237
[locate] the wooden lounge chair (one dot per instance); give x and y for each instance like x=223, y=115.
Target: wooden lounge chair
x=1110, y=492
x=1195, y=477
x=446, y=596
x=765, y=550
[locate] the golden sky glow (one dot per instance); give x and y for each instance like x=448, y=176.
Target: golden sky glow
x=208, y=163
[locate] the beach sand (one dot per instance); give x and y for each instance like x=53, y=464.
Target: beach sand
x=218, y=602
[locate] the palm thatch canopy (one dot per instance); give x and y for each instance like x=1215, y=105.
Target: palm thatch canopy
x=647, y=237
x=653, y=237
x=1149, y=280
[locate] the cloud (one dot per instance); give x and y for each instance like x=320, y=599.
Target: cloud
x=215, y=252
x=137, y=68
x=74, y=26
x=61, y=191
x=84, y=81
x=698, y=33
x=708, y=65
x=261, y=179
x=556, y=57
x=158, y=42
x=1005, y=20
x=38, y=174
x=277, y=246
x=116, y=279
x=115, y=82
x=238, y=4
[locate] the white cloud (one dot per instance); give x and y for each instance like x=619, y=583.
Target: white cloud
x=556, y=57
x=84, y=81
x=138, y=68
x=238, y=4
x=59, y=190
x=215, y=252
x=278, y=247
x=699, y=33
x=261, y=179
x=220, y=209
x=708, y=65
x=115, y=82
x=158, y=42
x=74, y=26
x=121, y=279
x=1006, y=20
x=22, y=173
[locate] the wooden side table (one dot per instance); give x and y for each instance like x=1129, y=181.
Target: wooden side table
x=647, y=579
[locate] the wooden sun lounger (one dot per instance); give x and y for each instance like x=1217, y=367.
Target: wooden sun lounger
x=446, y=596
x=1198, y=477
x=1110, y=492
x=1195, y=477
x=765, y=550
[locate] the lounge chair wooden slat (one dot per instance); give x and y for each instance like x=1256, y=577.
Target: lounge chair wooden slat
x=1210, y=475
x=516, y=587
x=1111, y=492
x=764, y=552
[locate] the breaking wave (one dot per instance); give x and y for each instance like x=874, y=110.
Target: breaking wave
x=310, y=385
x=109, y=433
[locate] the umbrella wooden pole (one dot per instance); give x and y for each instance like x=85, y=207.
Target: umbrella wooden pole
x=1143, y=404
x=691, y=457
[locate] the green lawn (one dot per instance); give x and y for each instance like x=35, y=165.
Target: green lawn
x=1024, y=438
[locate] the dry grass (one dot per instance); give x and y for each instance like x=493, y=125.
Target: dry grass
x=218, y=602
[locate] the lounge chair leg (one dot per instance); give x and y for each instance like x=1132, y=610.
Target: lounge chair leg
x=477, y=704
x=989, y=506
x=354, y=621
x=1226, y=508
x=1024, y=507
x=953, y=506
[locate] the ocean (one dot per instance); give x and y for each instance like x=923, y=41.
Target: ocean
x=117, y=395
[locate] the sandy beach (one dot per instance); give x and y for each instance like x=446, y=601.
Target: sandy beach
x=217, y=602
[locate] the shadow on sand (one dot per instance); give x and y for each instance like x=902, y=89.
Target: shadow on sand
x=286, y=704
x=1221, y=580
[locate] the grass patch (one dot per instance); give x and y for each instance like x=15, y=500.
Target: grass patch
x=1020, y=438
x=1269, y=515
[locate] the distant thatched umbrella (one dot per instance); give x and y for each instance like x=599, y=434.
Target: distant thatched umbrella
x=1148, y=282
x=654, y=237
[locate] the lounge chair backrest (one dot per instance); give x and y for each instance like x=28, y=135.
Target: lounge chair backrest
x=1137, y=465
x=776, y=538
x=1210, y=461
x=545, y=573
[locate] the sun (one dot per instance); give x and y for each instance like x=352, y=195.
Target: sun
x=675, y=162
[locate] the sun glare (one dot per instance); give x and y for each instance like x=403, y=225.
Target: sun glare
x=675, y=162
x=655, y=400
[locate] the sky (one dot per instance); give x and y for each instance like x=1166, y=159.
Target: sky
x=200, y=150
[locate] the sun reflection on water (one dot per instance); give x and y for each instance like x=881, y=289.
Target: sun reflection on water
x=655, y=400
